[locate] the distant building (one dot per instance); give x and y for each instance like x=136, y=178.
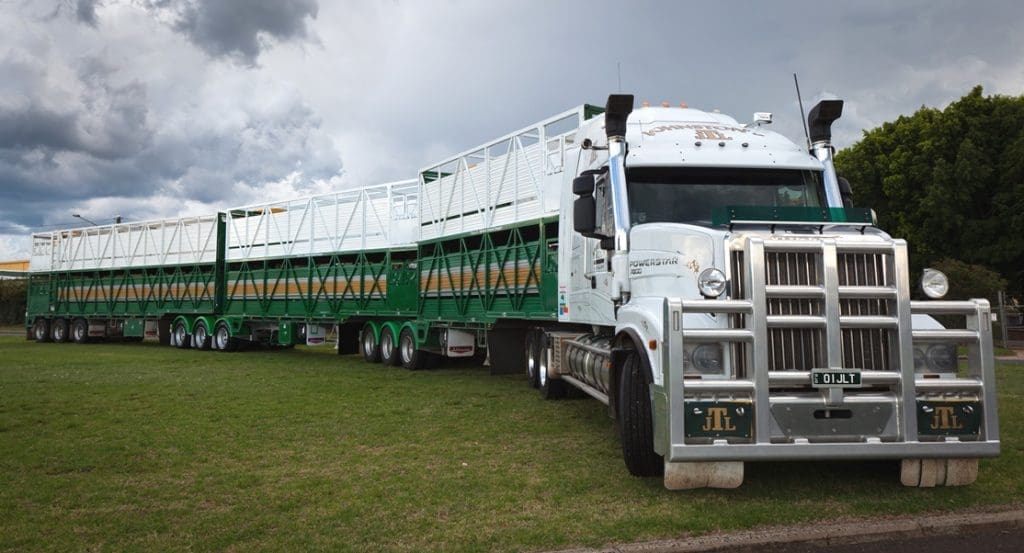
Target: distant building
x=14, y=269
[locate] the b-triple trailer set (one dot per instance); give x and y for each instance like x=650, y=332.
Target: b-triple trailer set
x=707, y=280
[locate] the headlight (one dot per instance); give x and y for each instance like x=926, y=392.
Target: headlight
x=919, y=362
x=941, y=358
x=936, y=358
x=934, y=283
x=707, y=359
x=711, y=282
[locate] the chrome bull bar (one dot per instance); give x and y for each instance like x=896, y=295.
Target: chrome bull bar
x=757, y=383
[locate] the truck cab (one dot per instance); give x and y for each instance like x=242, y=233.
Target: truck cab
x=740, y=309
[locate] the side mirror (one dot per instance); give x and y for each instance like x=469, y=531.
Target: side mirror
x=846, y=192
x=583, y=185
x=585, y=208
x=584, y=215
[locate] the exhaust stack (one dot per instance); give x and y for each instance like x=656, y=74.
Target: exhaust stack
x=819, y=122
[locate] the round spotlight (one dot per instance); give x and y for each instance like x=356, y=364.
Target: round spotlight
x=711, y=282
x=934, y=284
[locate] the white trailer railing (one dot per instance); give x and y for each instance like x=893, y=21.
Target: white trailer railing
x=509, y=180
x=512, y=179
x=374, y=217
x=188, y=240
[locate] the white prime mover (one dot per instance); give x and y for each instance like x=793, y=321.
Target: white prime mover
x=739, y=308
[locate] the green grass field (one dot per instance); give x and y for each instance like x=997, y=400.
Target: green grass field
x=138, y=447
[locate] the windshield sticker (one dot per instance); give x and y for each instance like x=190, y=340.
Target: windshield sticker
x=703, y=131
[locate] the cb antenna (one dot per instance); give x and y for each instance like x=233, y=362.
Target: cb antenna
x=803, y=118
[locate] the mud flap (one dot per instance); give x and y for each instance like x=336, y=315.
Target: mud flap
x=929, y=473
x=689, y=476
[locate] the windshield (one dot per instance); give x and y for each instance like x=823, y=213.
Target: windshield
x=675, y=195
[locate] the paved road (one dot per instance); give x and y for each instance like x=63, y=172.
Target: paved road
x=999, y=531
x=981, y=540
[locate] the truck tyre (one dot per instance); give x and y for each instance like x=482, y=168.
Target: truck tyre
x=550, y=388
x=479, y=356
x=368, y=345
x=180, y=338
x=389, y=347
x=636, y=427
x=410, y=357
x=59, y=330
x=222, y=338
x=80, y=331
x=531, y=359
x=41, y=330
x=200, y=336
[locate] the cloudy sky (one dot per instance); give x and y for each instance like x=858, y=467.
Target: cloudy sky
x=159, y=108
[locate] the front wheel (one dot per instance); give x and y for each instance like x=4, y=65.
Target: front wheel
x=636, y=427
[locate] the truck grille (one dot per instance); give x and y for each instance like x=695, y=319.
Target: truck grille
x=801, y=349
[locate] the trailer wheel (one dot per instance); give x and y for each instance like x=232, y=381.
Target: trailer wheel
x=389, y=347
x=369, y=346
x=549, y=388
x=200, y=336
x=59, y=330
x=636, y=426
x=411, y=358
x=222, y=339
x=41, y=330
x=80, y=331
x=531, y=359
x=180, y=338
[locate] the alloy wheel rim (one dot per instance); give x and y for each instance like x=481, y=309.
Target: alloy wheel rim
x=407, y=349
x=367, y=344
x=221, y=338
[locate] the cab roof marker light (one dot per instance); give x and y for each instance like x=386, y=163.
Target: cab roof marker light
x=760, y=118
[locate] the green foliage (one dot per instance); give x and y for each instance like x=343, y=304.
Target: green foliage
x=13, y=293
x=970, y=281
x=949, y=181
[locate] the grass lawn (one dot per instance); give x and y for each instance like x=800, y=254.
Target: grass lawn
x=138, y=447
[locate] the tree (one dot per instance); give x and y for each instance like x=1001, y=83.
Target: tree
x=950, y=181
x=970, y=281
x=13, y=294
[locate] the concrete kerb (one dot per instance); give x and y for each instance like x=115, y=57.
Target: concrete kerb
x=839, y=532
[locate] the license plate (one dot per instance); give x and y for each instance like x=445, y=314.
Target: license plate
x=717, y=419
x=832, y=378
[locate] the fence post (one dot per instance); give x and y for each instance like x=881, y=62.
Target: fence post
x=1003, y=321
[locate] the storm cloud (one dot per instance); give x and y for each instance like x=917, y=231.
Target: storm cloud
x=88, y=124
x=239, y=29
x=155, y=108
